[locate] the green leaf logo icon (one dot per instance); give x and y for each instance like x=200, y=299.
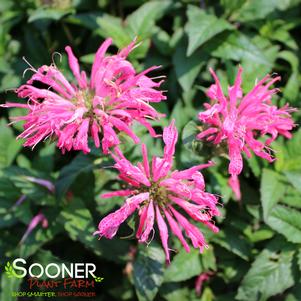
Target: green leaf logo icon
x=10, y=272
x=98, y=279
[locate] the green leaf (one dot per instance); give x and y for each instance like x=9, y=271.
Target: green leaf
x=202, y=26
x=231, y=5
x=260, y=235
x=87, y=20
x=149, y=272
x=9, y=285
x=254, y=163
x=232, y=241
x=187, y=68
x=80, y=164
x=51, y=14
x=288, y=154
x=278, y=30
x=172, y=291
x=292, y=197
x=78, y=224
x=189, y=133
x=269, y=275
x=208, y=260
x=40, y=235
x=141, y=22
x=255, y=9
x=45, y=160
x=286, y=221
x=182, y=114
x=208, y=295
x=291, y=90
x=272, y=190
x=184, y=266
x=294, y=177
x=238, y=46
x=9, y=146
x=161, y=40
x=112, y=27
x=291, y=58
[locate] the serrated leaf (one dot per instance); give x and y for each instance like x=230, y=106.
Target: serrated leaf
x=202, y=26
x=269, y=275
x=255, y=9
x=238, y=46
x=232, y=5
x=149, y=272
x=292, y=197
x=286, y=221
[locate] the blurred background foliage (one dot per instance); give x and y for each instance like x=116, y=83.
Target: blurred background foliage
x=256, y=256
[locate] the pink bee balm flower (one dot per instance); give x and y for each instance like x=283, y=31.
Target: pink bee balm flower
x=162, y=196
x=99, y=108
x=240, y=120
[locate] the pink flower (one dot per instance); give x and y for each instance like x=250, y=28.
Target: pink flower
x=159, y=195
x=239, y=121
x=99, y=108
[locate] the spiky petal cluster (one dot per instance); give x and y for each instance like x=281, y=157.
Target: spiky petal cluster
x=158, y=193
x=108, y=103
x=240, y=120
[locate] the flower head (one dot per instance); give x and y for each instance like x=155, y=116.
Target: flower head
x=239, y=121
x=162, y=196
x=99, y=108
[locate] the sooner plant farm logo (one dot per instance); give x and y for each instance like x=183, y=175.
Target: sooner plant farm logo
x=65, y=280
